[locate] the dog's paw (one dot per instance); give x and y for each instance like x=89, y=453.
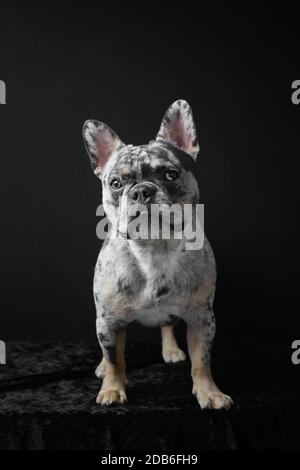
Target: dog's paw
x=215, y=400
x=100, y=371
x=108, y=397
x=173, y=355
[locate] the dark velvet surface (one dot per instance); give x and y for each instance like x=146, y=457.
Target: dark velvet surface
x=47, y=401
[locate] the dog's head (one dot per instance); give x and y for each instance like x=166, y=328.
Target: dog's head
x=158, y=173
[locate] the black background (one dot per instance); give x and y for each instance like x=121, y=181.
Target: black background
x=124, y=64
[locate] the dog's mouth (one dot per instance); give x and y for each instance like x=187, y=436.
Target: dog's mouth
x=151, y=222
x=142, y=226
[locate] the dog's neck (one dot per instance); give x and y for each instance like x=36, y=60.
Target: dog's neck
x=156, y=256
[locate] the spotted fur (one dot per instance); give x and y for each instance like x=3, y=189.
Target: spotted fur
x=154, y=282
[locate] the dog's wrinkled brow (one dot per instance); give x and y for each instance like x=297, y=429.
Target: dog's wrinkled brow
x=125, y=170
x=160, y=168
x=165, y=150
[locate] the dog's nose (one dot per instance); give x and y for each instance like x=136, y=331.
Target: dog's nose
x=142, y=192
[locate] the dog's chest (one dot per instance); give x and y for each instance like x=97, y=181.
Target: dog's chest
x=157, y=305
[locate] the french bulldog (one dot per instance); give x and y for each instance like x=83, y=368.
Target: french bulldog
x=152, y=281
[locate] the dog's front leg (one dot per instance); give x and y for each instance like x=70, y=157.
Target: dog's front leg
x=200, y=334
x=112, y=343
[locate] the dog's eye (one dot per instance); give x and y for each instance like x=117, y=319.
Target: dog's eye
x=116, y=184
x=171, y=175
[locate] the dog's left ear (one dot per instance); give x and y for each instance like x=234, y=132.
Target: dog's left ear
x=179, y=129
x=100, y=143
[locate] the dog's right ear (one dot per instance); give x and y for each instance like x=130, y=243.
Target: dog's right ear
x=100, y=143
x=178, y=128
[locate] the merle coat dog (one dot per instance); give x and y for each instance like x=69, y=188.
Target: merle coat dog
x=152, y=281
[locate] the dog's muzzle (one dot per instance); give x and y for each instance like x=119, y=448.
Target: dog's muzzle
x=142, y=193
